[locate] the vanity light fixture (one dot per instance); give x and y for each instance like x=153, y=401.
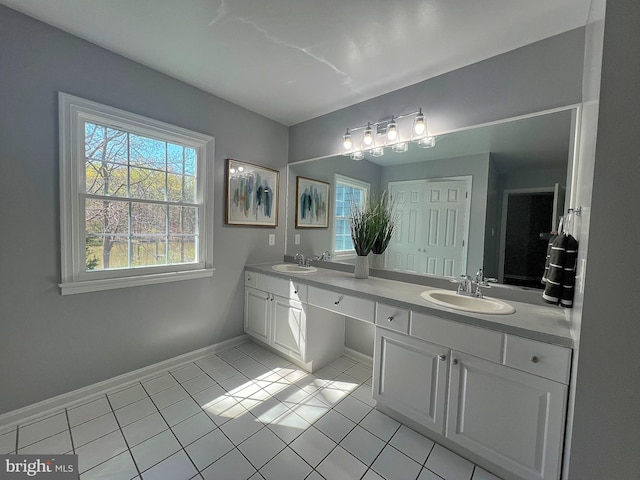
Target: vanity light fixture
x=396, y=133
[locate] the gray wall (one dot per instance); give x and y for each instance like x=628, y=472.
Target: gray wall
x=533, y=78
x=606, y=433
x=50, y=344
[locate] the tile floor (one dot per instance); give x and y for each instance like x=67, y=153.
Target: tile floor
x=244, y=413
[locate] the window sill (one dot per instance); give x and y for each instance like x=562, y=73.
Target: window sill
x=72, y=288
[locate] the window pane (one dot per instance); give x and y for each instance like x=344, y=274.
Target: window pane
x=105, y=144
x=175, y=158
x=147, y=152
x=182, y=220
x=190, y=161
x=106, y=217
x=106, y=252
x=103, y=178
x=148, y=250
x=182, y=249
x=148, y=218
x=147, y=184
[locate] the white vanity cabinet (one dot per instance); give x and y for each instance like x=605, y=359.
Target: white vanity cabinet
x=276, y=313
x=510, y=417
x=499, y=396
x=410, y=376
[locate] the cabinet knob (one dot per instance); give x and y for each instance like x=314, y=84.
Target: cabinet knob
x=249, y=277
x=455, y=361
x=390, y=319
x=295, y=291
x=337, y=301
x=442, y=358
x=535, y=359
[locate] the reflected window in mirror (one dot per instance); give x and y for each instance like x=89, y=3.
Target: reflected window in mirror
x=349, y=192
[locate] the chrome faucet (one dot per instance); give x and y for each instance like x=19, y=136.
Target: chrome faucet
x=326, y=255
x=300, y=259
x=465, y=285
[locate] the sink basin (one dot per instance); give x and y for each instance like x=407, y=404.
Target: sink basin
x=293, y=268
x=485, y=305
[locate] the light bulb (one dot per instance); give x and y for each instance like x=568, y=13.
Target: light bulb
x=368, y=135
x=346, y=141
x=419, y=125
x=392, y=130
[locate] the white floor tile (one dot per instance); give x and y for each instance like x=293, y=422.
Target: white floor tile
x=145, y=428
x=193, y=428
x=353, y=409
x=233, y=466
x=211, y=362
x=199, y=383
x=313, y=446
x=449, y=465
x=158, y=384
x=335, y=426
x=342, y=363
x=362, y=444
x=39, y=430
x=88, y=411
x=55, y=444
x=241, y=428
x=311, y=413
x=287, y=465
x=249, y=347
x=480, y=474
x=381, y=425
x=364, y=393
x=169, y=396
x=100, y=450
x=360, y=372
x=394, y=465
x=180, y=411
x=135, y=411
x=412, y=444
x=235, y=383
x=341, y=465
x=327, y=373
x=186, y=372
x=118, y=467
x=176, y=467
x=372, y=475
x=315, y=476
x=269, y=411
x=288, y=426
x=231, y=354
x=209, y=448
x=128, y=395
x=8, y=442
x=261, y=447
x=427, y=474
x=209, y=395
x=93, y=429
x=154, y=450
x=223, y=373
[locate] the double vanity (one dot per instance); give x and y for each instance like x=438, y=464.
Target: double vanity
x=491, y=386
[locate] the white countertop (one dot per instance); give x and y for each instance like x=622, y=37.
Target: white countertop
x=537, y=322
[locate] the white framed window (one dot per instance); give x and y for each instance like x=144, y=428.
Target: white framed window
x=348, y=192
x=136, y=205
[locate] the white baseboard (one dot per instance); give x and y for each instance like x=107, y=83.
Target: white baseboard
x=82, y=395
x=358, y=356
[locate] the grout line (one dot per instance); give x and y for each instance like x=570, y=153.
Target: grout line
x=73, y=447
x=126, y=442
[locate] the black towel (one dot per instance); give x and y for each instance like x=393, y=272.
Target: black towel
x=559, y=276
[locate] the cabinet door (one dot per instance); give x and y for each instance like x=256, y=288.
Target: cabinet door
x=510, y=417
x=410, y=377
x=289, y=327
x=256, y=313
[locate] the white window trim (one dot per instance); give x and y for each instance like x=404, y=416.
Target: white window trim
x=353, y=182
x=74, y=111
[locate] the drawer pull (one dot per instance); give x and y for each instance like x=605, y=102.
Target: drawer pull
x=455, y=361
x=249, y=278
x=535, y=359
x=338, y=301
x=390, y=319
x=442, y=358
x=295, y=291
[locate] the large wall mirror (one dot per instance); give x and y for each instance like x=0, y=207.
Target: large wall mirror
x=485, y=197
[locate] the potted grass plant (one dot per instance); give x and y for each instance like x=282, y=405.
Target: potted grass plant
x=372, y=227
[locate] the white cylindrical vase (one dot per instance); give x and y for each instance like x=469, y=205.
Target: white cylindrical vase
x=362, y=267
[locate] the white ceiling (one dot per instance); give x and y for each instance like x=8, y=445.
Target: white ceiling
x=292, y=60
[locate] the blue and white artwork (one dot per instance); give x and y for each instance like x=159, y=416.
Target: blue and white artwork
x=312, y=203
x=252, y=195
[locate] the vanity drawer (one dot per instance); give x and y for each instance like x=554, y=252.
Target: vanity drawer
x=355, y=307
x=394, y=318
x=476, y=341
x=283, y=287
x=251, y=279
x=542, y=359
